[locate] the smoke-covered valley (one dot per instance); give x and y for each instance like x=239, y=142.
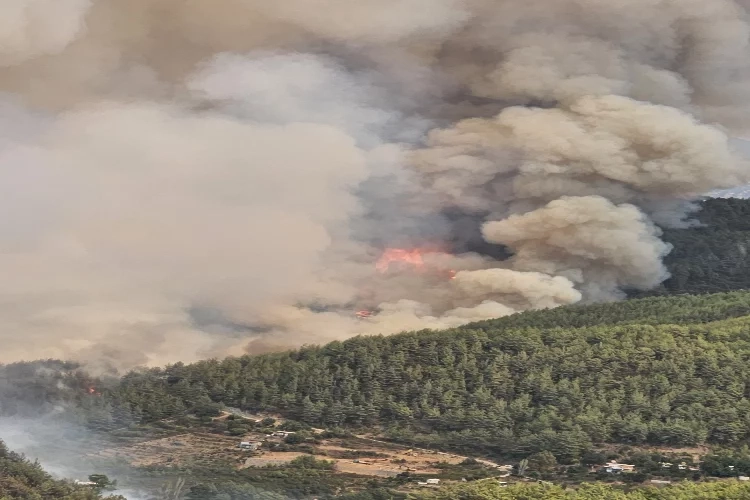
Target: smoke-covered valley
x=185, y=179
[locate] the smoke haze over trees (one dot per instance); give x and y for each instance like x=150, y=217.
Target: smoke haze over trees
x=713, y=256
x=667, y=371
x=660, y=371
x=25, y=480
x=186, y=179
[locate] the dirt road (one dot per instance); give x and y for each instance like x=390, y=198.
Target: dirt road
x=482, y=461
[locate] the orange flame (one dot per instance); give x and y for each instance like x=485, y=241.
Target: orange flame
x=408, y=258
x=411, y=257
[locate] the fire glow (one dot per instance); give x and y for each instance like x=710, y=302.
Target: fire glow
x=413, y=258
x=407, y=258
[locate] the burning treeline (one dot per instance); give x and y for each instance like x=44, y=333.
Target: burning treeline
x=184, y=178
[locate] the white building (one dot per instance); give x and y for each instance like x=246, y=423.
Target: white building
x=615, y=468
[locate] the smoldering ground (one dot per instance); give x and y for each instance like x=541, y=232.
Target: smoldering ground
x=254, y=159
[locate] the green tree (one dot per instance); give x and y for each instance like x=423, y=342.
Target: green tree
x=544, y=461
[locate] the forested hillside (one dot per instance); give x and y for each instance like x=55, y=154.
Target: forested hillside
x=670, y=370
x=711, y=257
x=39, y=387
x=667, y=370
x=24, y=480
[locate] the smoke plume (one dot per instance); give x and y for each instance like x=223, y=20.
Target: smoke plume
x=183, y=179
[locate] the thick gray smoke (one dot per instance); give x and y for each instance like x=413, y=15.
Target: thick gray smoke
x=183, y=179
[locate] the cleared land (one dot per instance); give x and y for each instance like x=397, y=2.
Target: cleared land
x=181, y=449
x=358, y=455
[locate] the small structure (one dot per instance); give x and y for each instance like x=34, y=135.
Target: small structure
x=660, y=481
x=616, y=468
x=84, y=483
x=249, y=446
x=282, y=434
x=743, y=478
x=503, y=484
x=430, y=483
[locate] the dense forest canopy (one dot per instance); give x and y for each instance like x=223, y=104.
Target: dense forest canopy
x=661, y=370
x=711, y=257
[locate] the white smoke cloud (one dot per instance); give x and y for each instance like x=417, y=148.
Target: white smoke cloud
x=33, y=28
x=369, y=22
x=288, y=88
x=164, y=209
x=183, y=178
x=528, y=289
x=587, y=239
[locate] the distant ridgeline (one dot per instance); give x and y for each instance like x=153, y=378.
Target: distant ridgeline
x=712, y=258
x=662, y=370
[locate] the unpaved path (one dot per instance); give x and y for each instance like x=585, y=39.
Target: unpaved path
x=482, y=461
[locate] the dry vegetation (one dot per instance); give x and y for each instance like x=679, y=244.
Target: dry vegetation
x=361, y=455
x=181, y=449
